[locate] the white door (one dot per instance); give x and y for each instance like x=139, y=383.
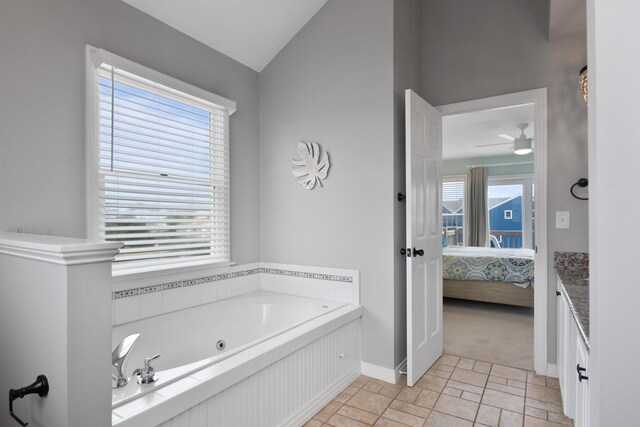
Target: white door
x=424, y=235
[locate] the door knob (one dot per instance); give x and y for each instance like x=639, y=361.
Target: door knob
x=418, y=252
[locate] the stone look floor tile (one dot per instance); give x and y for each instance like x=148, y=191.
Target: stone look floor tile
x=448, y=359
x=544, y=394
x=553, y=383
x=445, y=368
x=360, y=381
x=534, y=378
x=482, y=367
x=342, y=397
x=466, y=363
x=438, y=419
x=409, y=394
x=452, y=391
x=514, y=383
x=338, y=420
x=457, y=407
x=488, y=415
x=401, y=417
x=373, y=385
x=357, y=414
x=439, y=373
x=535, y=412
x=560, y=419
x=465, y=387
x=510, y=419
x=350, y=390
x=429, y=382
x=497, y=380
x=390, y=390
x=427, y=399
x=408, y=408
x=551, y=407
x=506, y=388
x=456, y=392
x=503, y=400
x=469, y=377
x=509, y=373
x=537, y=422
x=471, y=396
x=326, y=412
x=384, y=422
x=370, y=402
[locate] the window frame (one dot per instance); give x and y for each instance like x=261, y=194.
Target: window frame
x=527, y=181
x=458, y=178
x=94, y=57
x=508, y=214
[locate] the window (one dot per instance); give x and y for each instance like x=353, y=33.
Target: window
x=511, y=211
x=158, y=165
x=453, y=209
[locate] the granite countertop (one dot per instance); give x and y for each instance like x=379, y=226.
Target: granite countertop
x=572, y=268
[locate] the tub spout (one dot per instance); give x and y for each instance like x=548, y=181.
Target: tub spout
x=119, y=359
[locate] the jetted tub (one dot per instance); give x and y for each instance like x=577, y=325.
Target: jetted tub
x=189, y=340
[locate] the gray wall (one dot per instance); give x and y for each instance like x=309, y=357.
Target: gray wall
x=333, y=84
x=473, y=50
x=406, y=75
x=42, y=110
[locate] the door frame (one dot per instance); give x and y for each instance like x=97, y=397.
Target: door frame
x=537, y=97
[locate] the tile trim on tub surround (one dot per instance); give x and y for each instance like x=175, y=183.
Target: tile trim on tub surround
x=224, y=276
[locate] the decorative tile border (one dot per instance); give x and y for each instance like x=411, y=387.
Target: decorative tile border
x=192, y=282
x=305, y=275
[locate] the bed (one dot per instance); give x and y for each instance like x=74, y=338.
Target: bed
x=503, y=276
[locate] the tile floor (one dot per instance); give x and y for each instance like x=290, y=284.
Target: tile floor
x=455, y=392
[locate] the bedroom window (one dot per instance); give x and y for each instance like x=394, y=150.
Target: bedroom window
x=158, y=166
x=511, y=211
x=453, y=209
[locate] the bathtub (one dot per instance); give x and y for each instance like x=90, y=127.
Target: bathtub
x=206, y=343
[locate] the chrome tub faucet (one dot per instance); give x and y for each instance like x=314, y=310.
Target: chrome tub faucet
x=119, y=359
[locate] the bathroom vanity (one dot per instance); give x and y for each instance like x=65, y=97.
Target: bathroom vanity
x=572, y=272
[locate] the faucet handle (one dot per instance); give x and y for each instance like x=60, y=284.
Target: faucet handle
x=147, y=374
x=147, y=361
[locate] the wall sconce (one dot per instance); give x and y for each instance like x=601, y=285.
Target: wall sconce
x=584, y=78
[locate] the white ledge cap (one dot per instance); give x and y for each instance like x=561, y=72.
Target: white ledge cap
x=57, y=250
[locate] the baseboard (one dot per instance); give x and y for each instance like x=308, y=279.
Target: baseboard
x=384, y=374
x=552, y=370
x=401, y=369
x=305, y=413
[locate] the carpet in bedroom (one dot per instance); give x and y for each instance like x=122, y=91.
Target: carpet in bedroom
x=492, y=333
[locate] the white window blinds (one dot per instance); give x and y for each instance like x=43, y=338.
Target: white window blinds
x=162, y=161
x=453, y=195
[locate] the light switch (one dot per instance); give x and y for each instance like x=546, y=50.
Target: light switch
x=562, y=220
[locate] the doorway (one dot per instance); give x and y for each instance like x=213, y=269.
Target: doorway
x=515, y=214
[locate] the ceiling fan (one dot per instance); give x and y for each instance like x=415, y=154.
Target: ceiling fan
x=521, y=145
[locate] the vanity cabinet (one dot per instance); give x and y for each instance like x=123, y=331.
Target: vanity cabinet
x=582, y=386
x=572, y=353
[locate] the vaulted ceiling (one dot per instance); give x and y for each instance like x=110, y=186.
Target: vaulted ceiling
x=250, y=31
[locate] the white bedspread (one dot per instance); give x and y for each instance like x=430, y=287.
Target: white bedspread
x=472, y=251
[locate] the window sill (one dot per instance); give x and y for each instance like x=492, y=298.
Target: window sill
x=145, y=273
